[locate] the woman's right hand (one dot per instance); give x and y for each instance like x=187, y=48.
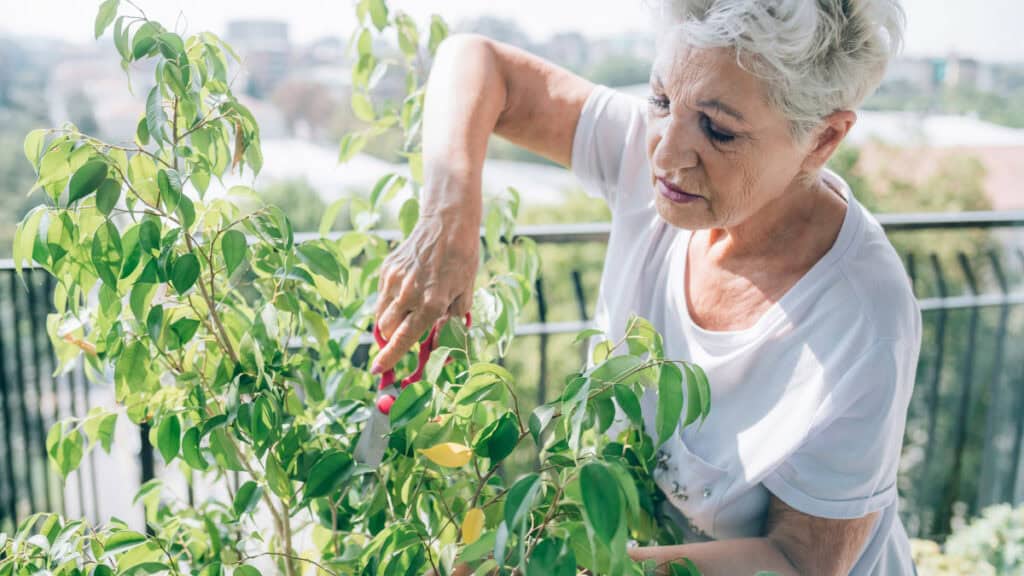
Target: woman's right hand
x=477, y=87
x=427, y=279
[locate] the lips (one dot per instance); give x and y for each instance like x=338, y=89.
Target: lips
x=675, y=193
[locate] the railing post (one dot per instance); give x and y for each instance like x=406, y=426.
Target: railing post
x=581, y=307
x=952, y=494
x=10, y=508
x=26, y=436
x=542, y=313
x=987, y=483
x=933, y=395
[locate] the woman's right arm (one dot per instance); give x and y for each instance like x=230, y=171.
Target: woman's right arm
x=477, y=87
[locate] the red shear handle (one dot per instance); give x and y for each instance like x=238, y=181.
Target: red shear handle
x=426, y=347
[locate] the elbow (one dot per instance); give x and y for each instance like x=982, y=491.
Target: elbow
x=468, y=51
x=462, y=44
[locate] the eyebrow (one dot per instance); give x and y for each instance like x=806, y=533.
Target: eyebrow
x=712, y=103
x=716, y=104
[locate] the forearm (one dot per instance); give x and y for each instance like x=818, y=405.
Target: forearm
x=464, y=99
x=746, y=557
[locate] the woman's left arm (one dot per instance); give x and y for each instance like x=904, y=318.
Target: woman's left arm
x=794, y=543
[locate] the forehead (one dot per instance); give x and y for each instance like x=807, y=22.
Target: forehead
x=687, y=72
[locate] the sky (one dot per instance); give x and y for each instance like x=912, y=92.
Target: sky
x=984, y=29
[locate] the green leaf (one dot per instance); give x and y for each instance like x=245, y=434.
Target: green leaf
x=435, y=363
x=169, y=185
x=616, y=368
x=223, y=452
x=105, y=16
x=184, y=329
x=66, y=451
x=331, y=216
x=379, y=14
x=168, y=437
x=234, y=247
x=351, y=144
x=408, y=215
x=107, y=196
x=586, y=335
x=408, y=35
x=25, y=236
x=320, y=262
x=693, y=403
x=329, y=472
x=149, y=236
x=627, y=400
x=155, y=116
x=498, y=439
x=155, y=323
x=86, y=180
x=144, y=42
x=142, y=132
x=519, y=500
x=247, y=498
x=362, y=107
x=480, y=385
x=704, y=389
x=552, y=557
x=670, y=401
x=411, y=401
x=190, y=450
x=34, y=146
x=438, y=32
x=131, y=370
x=277, y=478
x=539, y=420
x=107, y=253
x=688, y=568
x=377, y=195
x=246, y=571
x=602, y=500
x=99, y=426
x=121, y=541
x=185, y=272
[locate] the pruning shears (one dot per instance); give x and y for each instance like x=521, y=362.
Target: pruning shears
x=387, y=379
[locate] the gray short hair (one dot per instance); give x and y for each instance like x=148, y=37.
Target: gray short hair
x=816, y=56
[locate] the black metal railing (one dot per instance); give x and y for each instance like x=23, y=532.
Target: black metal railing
x=965, y=427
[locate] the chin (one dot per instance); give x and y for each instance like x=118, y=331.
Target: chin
x=687, y=216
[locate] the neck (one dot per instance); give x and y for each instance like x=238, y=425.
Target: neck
x=781, y=226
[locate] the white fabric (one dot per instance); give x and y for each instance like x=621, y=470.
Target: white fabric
x=809, y=403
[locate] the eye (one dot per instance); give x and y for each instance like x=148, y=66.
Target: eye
x=658, y=102
x=713, y=132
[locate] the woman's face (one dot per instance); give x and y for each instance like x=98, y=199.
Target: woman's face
x=719, y=152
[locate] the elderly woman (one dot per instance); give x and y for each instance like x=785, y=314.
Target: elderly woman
x=730, y=235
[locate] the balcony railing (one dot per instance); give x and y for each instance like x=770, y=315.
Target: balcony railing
x=965, y=428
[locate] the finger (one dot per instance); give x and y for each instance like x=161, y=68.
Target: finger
x=461, y=306
x=388, y=288
x=392, y=318
x=409, y=298
x=401, y=341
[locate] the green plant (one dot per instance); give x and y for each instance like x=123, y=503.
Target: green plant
x=237, y=347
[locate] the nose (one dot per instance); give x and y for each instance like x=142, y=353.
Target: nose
x=673, y=145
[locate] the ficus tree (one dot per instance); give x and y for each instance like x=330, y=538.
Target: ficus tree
x=244, y=352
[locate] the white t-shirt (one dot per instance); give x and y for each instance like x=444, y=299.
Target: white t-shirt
x=809, y=403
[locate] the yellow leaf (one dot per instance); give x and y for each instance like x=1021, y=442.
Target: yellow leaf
x=449, y=454
x=472, y=525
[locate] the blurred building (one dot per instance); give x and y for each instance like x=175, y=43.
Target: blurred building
x=266, y=50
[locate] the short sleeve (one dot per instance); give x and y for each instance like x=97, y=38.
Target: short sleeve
x=846, y=466
x=609, y=142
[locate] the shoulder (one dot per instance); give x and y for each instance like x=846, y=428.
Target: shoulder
x=871, y=284
x=875, y=274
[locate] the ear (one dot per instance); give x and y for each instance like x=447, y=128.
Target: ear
x=827, y=137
